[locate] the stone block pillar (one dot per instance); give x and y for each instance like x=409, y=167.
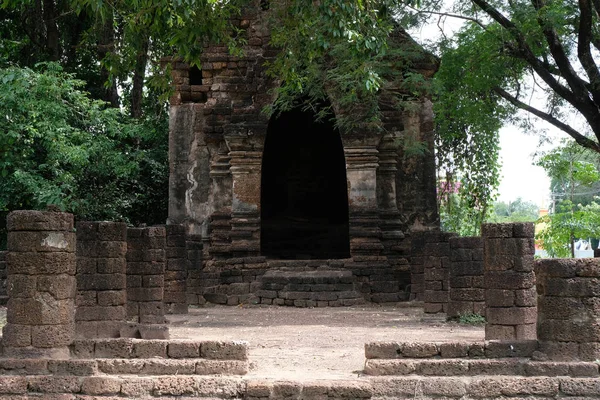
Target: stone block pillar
x=41, y=285
x=436, y=271
x=101, y=281
x=146, y=281
x=361, y=173
x=510, y=295
x=417, y=260
x=467, y=292
x=195, y=282
x=245, y=162
x=3, y=293
x=568, y=323
x=175, y=297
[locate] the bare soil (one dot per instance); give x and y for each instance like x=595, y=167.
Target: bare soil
x=315, y=343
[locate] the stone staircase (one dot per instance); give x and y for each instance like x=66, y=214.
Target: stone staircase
x=130, y=368
x=110, y=369
x=312, y=288
x=489, y=370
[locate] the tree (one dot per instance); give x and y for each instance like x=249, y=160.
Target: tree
x=60, y=147
x=554, y=43
x=515, y=211
x=570, y=168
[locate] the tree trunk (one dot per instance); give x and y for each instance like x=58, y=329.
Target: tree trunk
x=139, y=75
x=106, y=45
x=52, y=33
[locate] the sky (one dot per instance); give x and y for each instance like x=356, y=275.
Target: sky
x=519, y=177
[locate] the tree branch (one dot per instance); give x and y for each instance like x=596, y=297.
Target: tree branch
x=458, y=16
x=527, y=52
x=558, y=53
x=579, y=138
x=584, y=51
x=579, y=99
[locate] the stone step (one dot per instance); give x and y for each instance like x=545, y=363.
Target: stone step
x=488, y=349
x=321, y=287
x=376, y=388
x=314, y=277
x=470, y=367
x=74, y=387
x=175, y=349
x=154, y=366
x=486, y=387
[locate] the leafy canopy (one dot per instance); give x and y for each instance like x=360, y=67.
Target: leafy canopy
x=59, y=147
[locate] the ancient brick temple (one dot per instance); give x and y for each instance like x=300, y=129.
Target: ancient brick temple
x=290, y=196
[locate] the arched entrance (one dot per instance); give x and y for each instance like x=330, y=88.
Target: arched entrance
x=304, y=197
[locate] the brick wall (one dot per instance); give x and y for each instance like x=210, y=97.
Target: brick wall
x=176, y=269
x=101, y=279
x=41, y=284
x=436, y=270
x=510, y=295
x=467, y=291
x=569, y=308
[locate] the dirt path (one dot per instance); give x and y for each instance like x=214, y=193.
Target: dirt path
x=314, y=343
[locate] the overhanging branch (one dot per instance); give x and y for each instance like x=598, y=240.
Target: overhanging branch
x=579, y=138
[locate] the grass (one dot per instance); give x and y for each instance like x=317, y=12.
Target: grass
x=470, y=319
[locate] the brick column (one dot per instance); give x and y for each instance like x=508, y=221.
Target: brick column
x=467, y=292
x=175, y=296
x=436, y=271
x=3, y=293
x=245, y=215
x=569, y=308
x=510, y=295
x=101, y=283
x=361, y=172
x=41, y=285
x=145, y=282
x=417, y=259
x=195, y=282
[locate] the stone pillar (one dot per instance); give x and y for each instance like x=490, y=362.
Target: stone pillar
x=568, y=322
x=101, y=280
x=145, y=282
x=195, y=281
x=175, y=295
x=436, y=271
x=361, y=173
x=510, y=295
x=245, y=212
x=467, y=292
x=41, y=285
x=417, y=260
x=220, y=199
x=3, y=293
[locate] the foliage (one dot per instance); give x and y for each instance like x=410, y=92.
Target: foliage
x=457, y=216
x=569, y=221
x=338, y=51
x=571, y=169
x=547, y=46
x=514, y=211
x=471, y=319
x=59, y=147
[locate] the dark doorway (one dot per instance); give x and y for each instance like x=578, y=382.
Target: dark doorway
x=304, y=197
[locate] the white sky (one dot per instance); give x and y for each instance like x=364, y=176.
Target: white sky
x=519, y=177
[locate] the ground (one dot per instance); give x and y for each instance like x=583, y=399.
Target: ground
x=315, y=343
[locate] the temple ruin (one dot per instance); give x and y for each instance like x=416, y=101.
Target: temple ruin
x=289, y=195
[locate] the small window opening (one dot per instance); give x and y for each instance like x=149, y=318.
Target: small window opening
x=195, y=75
